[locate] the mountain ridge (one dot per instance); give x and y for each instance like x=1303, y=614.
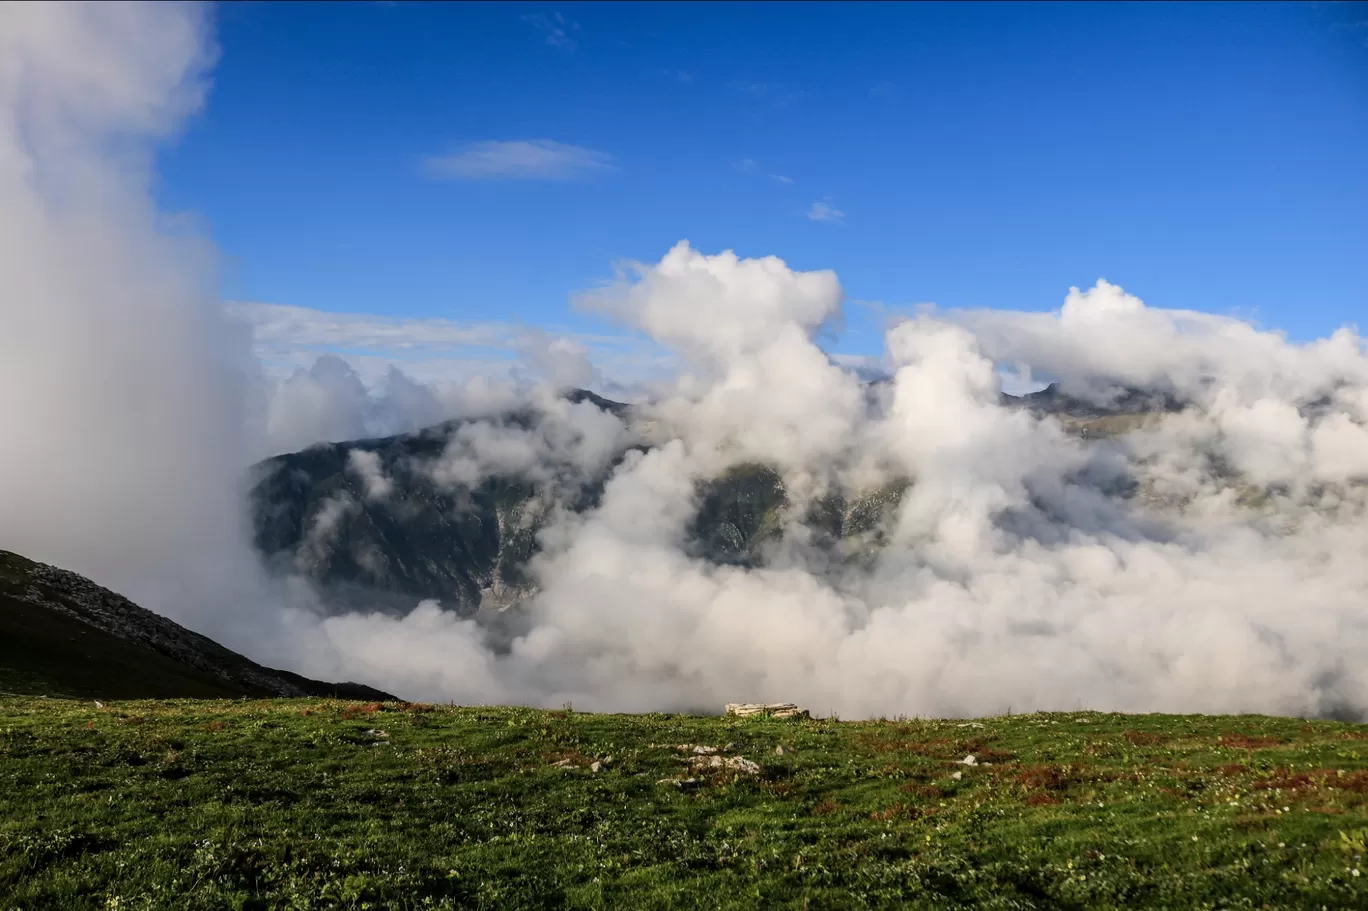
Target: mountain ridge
x=468, y=546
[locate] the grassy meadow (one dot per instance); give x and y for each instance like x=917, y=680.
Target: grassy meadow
x=303, y=804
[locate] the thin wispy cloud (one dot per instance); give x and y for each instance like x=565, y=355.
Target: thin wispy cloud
x=753, y=89
x=749, y=166
x=556, y=29
x=773, y=93
x=429, y=349
x=824, y=211
x=519, y=159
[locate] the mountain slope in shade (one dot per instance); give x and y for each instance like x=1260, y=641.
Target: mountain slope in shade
x=63, y=635
x=468, y=546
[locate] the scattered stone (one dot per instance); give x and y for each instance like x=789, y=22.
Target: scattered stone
x=968, y=760
x=779, y=751
x=99, y=704
x=681, y=783
x=372, y=732
x=695, y=748
x=957, y=775
x=595, y=766
x=970, y=724
x=563, y=764
x=767, y=709
x=738, y=763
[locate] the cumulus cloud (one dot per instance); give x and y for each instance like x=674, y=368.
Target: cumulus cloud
x=123, y=388
x=568, y=443
x=1203, y=556
x=519, y=159
x=1015, y=570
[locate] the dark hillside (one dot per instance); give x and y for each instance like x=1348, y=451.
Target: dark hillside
x=63, y=635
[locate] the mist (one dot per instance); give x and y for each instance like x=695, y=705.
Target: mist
x=1015, y=573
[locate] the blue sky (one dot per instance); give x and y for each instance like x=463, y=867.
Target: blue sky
x=1206, y=156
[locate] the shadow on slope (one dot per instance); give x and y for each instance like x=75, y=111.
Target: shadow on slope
x=63, y=635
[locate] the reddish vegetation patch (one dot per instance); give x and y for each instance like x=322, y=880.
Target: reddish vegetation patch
x=988, y=754
x=370, y=708
x=897, y=811
x=1356, y=782
x=560, y=714
x=929, y=792
x=306, y=712
x=1145, y=738
x=417, y=708
x=936, y=747
x=1283, y=780
x=1048, y=777
x=782, y=789
x=1232, y=769
x=1241, y=742
x=214, y=726
x=1041, y=799
x=824, y=808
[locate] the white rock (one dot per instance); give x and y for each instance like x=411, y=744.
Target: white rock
x=595, y=766
x=968, y=760
x=739, y=763
x=769, y=709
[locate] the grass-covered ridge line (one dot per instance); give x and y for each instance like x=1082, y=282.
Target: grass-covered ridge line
x=330, y=804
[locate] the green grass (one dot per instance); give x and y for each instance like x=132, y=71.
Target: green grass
x=291, y=804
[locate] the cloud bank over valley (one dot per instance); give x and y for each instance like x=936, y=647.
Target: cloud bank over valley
x=1187, y=535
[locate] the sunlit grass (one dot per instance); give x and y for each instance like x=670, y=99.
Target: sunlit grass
x=327, y=804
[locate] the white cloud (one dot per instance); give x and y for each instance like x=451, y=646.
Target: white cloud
x=824, y=211
x=435, y=349
x=749, y=166
x=556, y=29
x=519, y=159
x=1012, y=573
